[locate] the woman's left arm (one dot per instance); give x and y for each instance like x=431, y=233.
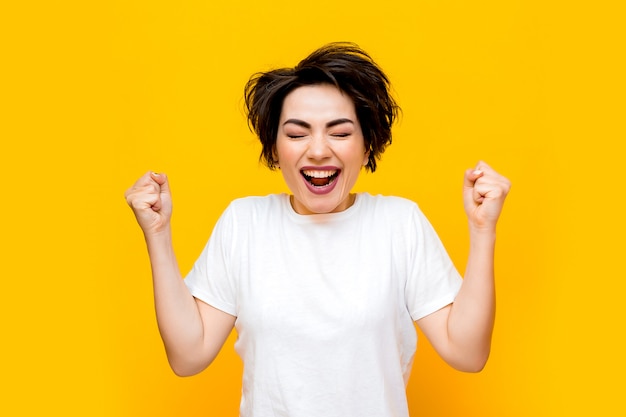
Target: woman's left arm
x=461, y=332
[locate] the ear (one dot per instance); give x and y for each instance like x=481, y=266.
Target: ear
x=366, y=157
x=275, y=157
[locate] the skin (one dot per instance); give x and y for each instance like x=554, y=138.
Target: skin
x=192, y=331
x=461, y=332
x=318, y=128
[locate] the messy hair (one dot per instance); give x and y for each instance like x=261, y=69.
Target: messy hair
x=342, y=64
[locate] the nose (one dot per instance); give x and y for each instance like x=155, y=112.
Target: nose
x=318, y=148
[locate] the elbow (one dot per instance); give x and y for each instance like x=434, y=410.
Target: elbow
x=466, y=359
x=472, y=364
x=183, y=372
x=474, y=368
x=186, y=371
x=189, y=361
x=186, y=368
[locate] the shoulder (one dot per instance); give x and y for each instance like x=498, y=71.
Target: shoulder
x=389, y=213
x=255, y=207
x=257, y=202
x=245, y=214
x=388, y=204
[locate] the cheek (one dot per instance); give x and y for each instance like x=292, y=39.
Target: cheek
x=359, y=155
x=285, y=155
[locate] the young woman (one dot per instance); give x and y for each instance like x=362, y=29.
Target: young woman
x=324, y=285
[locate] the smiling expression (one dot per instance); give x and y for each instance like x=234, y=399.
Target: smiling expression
x=320, y=148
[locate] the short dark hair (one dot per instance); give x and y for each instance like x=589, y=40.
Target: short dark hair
x=341, y=64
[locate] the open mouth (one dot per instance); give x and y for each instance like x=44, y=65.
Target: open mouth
x=320, y=178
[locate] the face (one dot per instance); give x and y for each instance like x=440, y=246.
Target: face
x=320, y=148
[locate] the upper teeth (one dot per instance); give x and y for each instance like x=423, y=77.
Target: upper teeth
x=319, y=174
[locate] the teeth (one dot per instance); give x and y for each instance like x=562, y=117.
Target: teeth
x=318, y=174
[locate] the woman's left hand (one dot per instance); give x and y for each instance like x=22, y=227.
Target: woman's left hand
x=484, y=191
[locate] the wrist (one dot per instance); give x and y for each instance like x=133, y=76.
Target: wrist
x=484, y=234
x=158, y=237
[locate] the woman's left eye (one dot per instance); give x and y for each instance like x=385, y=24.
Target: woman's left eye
x=340, y=135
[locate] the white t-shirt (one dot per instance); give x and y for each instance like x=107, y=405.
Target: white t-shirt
x=325, y=303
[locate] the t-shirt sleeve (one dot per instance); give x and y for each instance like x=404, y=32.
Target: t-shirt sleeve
x=433, y=281
x=211, y=278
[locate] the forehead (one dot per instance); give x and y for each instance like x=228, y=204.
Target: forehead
x=319, y=101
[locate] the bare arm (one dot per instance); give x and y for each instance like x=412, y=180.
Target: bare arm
x=461, y=332
x=193, y=332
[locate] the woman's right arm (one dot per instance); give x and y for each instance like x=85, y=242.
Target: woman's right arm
x=193, y=332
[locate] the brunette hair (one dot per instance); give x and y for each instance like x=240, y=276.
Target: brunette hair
x=342, y=64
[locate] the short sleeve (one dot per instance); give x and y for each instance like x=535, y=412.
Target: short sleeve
x=433, y=281
x=211, y=278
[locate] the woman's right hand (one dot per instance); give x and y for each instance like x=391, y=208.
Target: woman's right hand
x=151, y=201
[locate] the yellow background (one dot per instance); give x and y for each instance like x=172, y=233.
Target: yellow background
x=94, y=94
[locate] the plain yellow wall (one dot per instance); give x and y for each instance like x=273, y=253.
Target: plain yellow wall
x=94, y=94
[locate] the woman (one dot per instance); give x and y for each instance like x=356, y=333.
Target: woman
x=324, y=285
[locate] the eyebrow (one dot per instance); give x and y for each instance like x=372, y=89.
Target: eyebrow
x=308, y=126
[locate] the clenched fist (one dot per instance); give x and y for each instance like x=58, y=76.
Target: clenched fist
x=484, y=191
x=151, y=201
